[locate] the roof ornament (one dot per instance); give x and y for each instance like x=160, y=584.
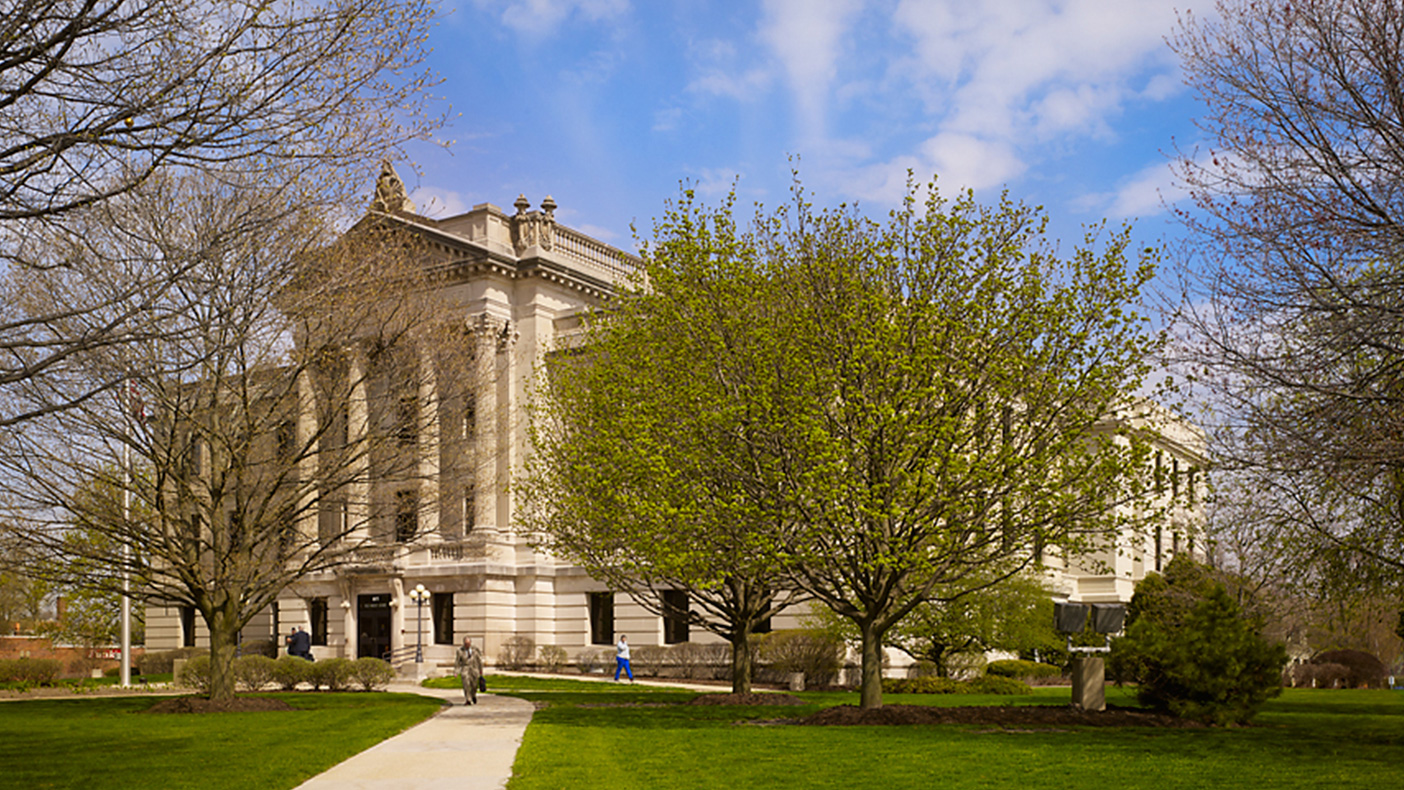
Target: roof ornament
x=533, y=228
x=390, y=194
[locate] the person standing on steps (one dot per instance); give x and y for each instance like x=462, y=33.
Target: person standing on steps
x=468, y=663
x=621, y=659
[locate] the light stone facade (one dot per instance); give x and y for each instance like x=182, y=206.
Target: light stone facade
x=520, y=281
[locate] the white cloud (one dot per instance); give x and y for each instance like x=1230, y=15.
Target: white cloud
x=959, y=161
x=807, y=36
x=994, y=66
x=1146, y=193
x=539, y=18
x=438, y=203
x=743, y=87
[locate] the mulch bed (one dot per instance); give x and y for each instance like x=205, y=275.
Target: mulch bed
x=1000, y=716
x=748, y=698
x=202, y=705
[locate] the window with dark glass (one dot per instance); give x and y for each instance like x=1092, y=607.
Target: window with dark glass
x=601, y=618
x=441, y=605
x=187, y=626
x=406, y=516
x=407, y=420
x=287, y=441
x=318, y=610
x=675, y=625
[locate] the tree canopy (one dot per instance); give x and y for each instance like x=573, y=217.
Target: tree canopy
x=894, y=408
x=1291, y=305
x=241, y=452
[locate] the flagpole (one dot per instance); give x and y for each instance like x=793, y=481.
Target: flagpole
x=125, y=671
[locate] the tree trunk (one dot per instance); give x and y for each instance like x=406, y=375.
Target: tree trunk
x=872, y=668
x=223, y=632
x=740, y=662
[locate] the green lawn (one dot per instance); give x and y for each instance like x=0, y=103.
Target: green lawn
x=110, y=743
x=1307, y=739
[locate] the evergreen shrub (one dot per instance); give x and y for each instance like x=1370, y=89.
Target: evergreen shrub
x=1193, y=652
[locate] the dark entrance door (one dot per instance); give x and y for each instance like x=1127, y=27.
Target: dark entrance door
x=373, y=621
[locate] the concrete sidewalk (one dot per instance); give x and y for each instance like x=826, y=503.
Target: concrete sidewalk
x=463, y=747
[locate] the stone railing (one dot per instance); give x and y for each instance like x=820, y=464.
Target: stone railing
x=590, y=256
x=375, y=555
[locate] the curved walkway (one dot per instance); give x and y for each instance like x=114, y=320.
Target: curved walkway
x=462, y=747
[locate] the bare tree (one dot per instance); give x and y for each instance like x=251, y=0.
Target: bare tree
x=1293, y=301
x=277, y=423
x=98, y=96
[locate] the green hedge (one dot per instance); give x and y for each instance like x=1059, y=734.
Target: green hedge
x=931, y=685
x=29, y=671
x=1014, y=668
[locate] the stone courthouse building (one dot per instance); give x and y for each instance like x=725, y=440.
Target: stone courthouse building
x=521, y=280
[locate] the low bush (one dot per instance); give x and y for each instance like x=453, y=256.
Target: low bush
x=1361, y=670
x=648, y=660
x=253, y=672
x=923, y=669
x=816, y=653
x=372, y=673
x=590, y=660
x=1014, y=668
x=196, y=674
x=289, y=671
x=516, y=653
x=29, y=671
x=1324, y=675
x=995, y=684
x=332, y=674
x=690, y=658
x=714, y=661
x=922, y=685
x=552, y=657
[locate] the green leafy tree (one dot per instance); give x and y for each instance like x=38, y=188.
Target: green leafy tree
x=1193, y=651
x=1013, y=614
x=647, y=471
x=892, y=409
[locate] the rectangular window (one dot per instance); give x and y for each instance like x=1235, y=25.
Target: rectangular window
x=406, y=516
x=187, y=626
x=601, y=618
x=470, y=510
x=675, y=625
x=287, y=441
x=407, y=420
x=1159, y=542
x=331, y=517
x=442, y=606
x=1175, y=480
x=317, y=607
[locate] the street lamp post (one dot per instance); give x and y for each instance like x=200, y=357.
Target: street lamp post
x=419, y=595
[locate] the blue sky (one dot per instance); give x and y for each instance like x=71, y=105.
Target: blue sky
x=608, y=104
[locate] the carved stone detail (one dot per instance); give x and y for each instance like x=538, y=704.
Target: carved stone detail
x=390, y=194
x=533, y=228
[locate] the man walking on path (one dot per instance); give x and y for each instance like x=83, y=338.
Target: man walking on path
x=468, y=663
x=621, y=659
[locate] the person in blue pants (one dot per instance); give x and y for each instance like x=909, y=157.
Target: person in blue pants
x=621, y=659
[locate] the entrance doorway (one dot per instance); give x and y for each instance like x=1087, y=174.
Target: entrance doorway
x=373, y=623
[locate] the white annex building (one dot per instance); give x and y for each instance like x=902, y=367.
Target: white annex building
x=521, y=280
